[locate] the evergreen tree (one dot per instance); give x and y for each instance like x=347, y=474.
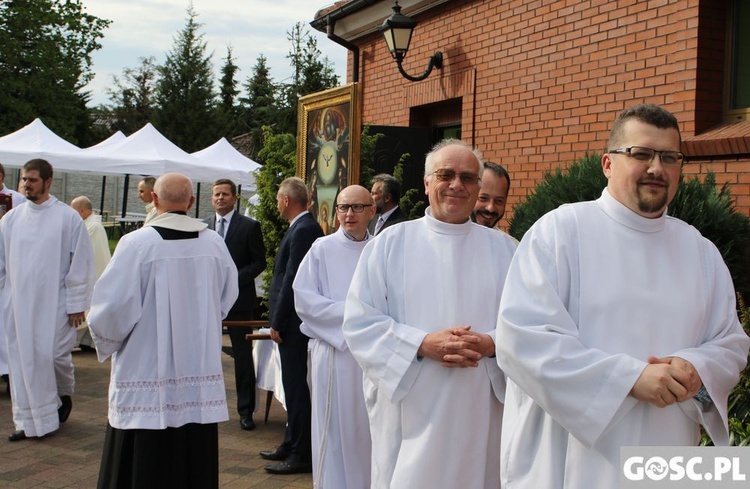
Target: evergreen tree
x=185, y=91
x=133, y=96
x=311, y=73
x=45, y=61
x=259, y=107
x=228, y=108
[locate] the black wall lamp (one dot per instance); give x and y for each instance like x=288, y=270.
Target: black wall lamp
x=397, y=30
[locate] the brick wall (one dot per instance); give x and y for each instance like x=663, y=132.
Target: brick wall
x=542, y=81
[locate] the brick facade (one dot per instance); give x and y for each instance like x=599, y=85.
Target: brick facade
x=541, y=82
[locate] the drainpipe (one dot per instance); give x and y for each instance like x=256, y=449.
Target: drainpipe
x=343, y=42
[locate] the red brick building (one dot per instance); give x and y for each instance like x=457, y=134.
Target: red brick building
x=537, y=84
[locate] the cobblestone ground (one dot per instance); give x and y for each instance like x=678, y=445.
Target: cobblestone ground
x=70, y=457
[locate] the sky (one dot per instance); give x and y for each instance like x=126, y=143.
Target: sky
x=143, y=28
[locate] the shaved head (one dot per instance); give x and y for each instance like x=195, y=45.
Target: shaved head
x=355, y=223
x=82, y=205
x=173, y=192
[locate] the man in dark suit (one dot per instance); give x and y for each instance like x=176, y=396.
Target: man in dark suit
x=386, y=192
x=244, y=240
x=294, y=455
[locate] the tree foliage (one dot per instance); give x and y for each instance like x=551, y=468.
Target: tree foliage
x=312, y=73
x=228, y=115
x=133, y=96
x=279, y=154
x=45, y=60
x=185, y=94
x=260, y=105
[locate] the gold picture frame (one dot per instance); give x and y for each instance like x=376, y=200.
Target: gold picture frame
x=328, y=145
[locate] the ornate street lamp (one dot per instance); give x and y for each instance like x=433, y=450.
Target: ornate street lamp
x=397, y=30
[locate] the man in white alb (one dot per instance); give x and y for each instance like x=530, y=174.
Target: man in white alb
x=157, y=311
x=100, y=245
x=340, y=430
x=145, y=187
x=42, y=238
x=618, y=326
x=419, y=319
x=16, y=199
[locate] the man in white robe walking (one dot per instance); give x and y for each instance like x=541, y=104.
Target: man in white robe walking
x=419, y=319
x=16, y=199
x=100, y=246
x=46, y=276
x=618, y=326
x=157, y=310
x=340, y=430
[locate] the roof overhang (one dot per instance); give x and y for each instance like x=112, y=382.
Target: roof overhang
x=354, y=19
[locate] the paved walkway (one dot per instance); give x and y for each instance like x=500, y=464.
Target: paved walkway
x=70, y=457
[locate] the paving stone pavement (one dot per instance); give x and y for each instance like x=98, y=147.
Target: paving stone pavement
x=70, y=457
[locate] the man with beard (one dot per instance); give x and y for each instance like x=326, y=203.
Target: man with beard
x=386, y=192
x=618, y=325
x=490, y=205
x=47, y=277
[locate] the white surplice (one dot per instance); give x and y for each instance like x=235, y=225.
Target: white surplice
x=17, y=200
x=431, y=426
x=340, y=430
x=157, y=310
x=593, y=291
x=100, y=245
x=46, y=272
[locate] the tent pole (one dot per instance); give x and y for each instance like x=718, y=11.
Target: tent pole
x=125, y=195
x=198, y=199
x=239, y=193
x=104, y=187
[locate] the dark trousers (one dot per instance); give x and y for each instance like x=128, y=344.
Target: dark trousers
x=293, y=352
x=244, y=369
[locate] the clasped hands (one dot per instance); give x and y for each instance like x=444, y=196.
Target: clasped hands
x=667, y=380
x=75, y=319
x=457, y=347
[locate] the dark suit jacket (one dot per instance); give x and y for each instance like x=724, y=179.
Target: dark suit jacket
x=396, y=217
x=293, y=248
x=244, y=241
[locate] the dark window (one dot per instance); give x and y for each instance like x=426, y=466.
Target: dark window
x=738, y=93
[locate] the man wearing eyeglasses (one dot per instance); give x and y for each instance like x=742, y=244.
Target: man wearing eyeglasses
x=419, y=319
x=340, y=430
x=618, y=326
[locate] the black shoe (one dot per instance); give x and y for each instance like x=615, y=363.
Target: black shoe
x=63, y=412
x=228, y=350
x=247, y=423
x=291, y=465
x=86, y=348
x=17, y=436
x=279, y=454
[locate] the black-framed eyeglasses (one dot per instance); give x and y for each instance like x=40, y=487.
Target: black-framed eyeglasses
x=448, y=175
x=646, y=155
x=356, y=208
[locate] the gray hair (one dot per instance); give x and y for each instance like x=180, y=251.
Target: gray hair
x=430, y=160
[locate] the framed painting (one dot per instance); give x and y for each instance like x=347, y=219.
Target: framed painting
x=328, y=138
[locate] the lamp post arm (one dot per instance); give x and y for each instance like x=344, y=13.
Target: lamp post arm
x=436, y=61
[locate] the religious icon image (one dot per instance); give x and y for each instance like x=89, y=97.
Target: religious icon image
x=327, y=154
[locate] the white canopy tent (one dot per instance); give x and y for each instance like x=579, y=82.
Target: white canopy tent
x=234, y=165
x=145, y=152
x=34, y=140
